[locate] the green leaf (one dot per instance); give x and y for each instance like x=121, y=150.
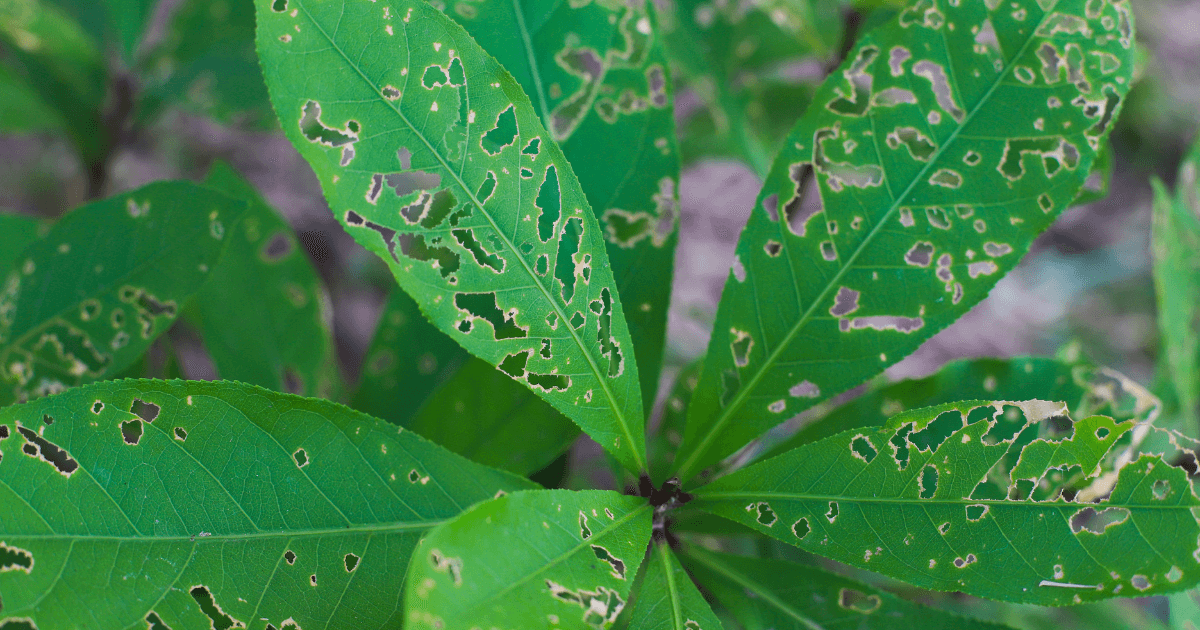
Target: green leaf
x=1176, y=248
x=119, y=23
x=22, y=109
x=664, y=442
x=527, y=558
x=783, y=595
x=87, y=299
x=206, y=64
x=948, y=140
x=407, y=360
x=597, y=73
x=730, y=54
x=19, y=231
x=1095, y=187
x=485, y=416
x=263, y=312
x=1086, y=390
x=197, y=504
x=667, y=599
x=462, y=193
x=62, y=64
x=1008, y=501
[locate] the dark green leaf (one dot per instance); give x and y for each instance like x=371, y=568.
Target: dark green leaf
x=482, y=414
x=462, y=193
x=664, y=442
x=22, y=109
x=1086, y=390
x=117, y=23
x=667, y=599
x=522, y=560
x=206, y=64
x=948, y=140
x=407, y=360
x=776, y=594
x=1176, y=247
x=85, y=301
x=1008, y=501
x=19, y=231
x=62, y=64
x=263, y=312
x=214, y=504
x=597, y=72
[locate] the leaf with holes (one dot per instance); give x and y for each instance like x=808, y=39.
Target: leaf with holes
x=597, y=74
x=734, y=56
x=1086, y=389
x=947, y=141
x=263, y=312
x=192, y=504
x=1176, y=248
x=483, y=414
x=464, y=195
x=62, y=65
x=206, y=64
x=762, y=594
x=666, y=598
x=407, y=360
x=84, y=302
x=1009, y=501
x=474, y=570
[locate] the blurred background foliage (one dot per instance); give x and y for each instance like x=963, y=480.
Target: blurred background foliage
x=100, y=97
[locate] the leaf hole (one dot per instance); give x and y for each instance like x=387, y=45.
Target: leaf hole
x=144, y=410
x=131, y=431
x=800, y=528
x=618, y=565
x=218, y=618
x=928, y=481
x=15, y=559
x=39, y=447
x=301, y=457
x=832, y=514
x=862, y=448
x=1096, y=522
x=289, y=557
x=859, y=602
x=351, y=561
x=180, y=434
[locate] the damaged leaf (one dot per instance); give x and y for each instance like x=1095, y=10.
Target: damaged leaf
x=598, y=77
x=431, y=176
x=86, y=300
x=19, y=231
x=1086, y=389
x=479, y=568
x=1005, y=500
x=762, y=593
x=666, y=598
x=213, y=481
x=263, y=314
x=1176, y=249
x=922, y=171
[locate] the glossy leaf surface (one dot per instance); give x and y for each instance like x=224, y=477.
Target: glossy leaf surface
x=528, y=559
x=214, y=504
x=763, y=594
x=948, y=140
x=483, y=415
x=1008, y=501
x=597, y=75
x=62, y=64
x=262, y=313
x=1176, y=248
x=1085, y=389
x=667, y=599
x=85, y=301
x=433, y=158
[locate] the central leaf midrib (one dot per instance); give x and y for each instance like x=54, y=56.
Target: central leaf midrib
x=672, y=590
x=401, y=526
x=744, y=393
x=600, y=378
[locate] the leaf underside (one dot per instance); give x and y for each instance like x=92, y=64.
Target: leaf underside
x=432, y=157
x=215, y=504
x=84, y=302
x=481, y=570
x=1009, y=501
x=949, y=139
